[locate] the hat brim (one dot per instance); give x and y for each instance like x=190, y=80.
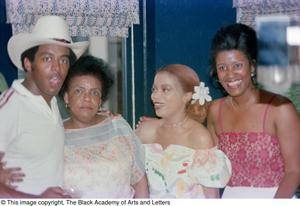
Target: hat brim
x=21, y=42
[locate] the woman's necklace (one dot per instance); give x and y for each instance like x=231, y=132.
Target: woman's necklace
x=251, y=99
x=239, y=108
x=177, y=124
x=233, y=105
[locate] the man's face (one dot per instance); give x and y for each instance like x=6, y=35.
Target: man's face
x=47, y=72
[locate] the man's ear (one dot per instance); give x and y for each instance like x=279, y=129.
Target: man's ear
x=27, y=65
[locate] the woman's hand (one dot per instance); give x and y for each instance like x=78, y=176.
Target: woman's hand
x=9, y=176
x=55, y=192
x=142, y=119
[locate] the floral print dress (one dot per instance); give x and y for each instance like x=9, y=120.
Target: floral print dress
x=181, y=172
x=257, y=163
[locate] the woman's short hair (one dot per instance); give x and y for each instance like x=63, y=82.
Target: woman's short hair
x=90, y=65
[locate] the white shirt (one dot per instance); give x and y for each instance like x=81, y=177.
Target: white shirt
x=32, y=137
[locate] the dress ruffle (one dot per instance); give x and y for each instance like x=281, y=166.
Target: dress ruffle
x=211, y=167
x=181, y=172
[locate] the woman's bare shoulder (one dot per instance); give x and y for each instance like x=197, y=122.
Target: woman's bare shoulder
x=214, y=105
x=281, y=108
x=214, y=108
x=273, y=99
x=200, y=137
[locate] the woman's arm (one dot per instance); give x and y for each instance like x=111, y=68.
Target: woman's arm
x=141, y=188
x=287, y=125
x=9, y=176
x=211, y=121
x=51, y=192
x=211, y=192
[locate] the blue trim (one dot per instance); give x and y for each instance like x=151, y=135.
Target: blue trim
x=126, y=77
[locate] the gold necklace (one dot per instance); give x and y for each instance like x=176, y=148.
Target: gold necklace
x=247, y=104
x=177, y=124
x=236, y=107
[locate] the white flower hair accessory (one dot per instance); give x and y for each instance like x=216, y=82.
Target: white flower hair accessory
x=201, y=94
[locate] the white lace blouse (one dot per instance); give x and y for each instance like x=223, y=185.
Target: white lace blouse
x=103, y=161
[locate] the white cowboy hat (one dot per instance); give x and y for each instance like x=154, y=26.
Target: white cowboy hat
x=48, y=30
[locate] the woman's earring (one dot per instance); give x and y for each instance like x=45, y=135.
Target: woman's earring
x=253, y=79
x=67, y=105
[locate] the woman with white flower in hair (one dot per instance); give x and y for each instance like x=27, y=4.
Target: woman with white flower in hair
x=182, y=160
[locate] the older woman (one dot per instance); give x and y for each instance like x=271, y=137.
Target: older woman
x=103, y=157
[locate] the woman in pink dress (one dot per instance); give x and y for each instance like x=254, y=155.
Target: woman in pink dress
x=259, y=131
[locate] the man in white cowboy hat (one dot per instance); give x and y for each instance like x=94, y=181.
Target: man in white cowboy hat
x=31, y=131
